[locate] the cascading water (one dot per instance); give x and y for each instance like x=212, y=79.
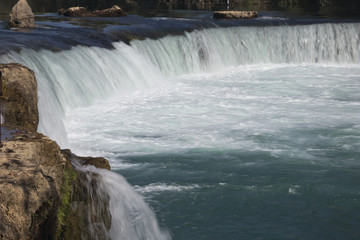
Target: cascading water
x=208, y=111
x=76, y=78
x=131, y=217
x=212, y=50
x=71, y=79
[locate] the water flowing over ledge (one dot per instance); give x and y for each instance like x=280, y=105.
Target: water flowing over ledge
x=82, y=75
x=131, y=217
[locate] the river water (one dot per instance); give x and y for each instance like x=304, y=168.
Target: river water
x=227, y=130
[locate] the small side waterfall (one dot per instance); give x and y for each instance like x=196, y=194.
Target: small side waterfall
x=131, y=217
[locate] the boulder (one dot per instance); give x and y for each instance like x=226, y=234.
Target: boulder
x=19, y=98
x=115, y=11
x=42, y=196
x=75, y=12
x=235, y=14
x=31, y=173
x=21, y=16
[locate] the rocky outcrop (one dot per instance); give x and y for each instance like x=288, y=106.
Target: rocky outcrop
x=235, y=14
x=98, y=162
x=75, y=12
x=31, y=172
x=21, y=16
x=84, y=213
x=84, y=210
x=114, y=11
x=42, y=195
x=19, y=96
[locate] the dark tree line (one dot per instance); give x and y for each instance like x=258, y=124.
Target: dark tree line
x=327, y=7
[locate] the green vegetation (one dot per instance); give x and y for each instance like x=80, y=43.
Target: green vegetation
x=67, y=190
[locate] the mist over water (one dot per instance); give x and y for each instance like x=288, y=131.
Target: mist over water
x=228, y=133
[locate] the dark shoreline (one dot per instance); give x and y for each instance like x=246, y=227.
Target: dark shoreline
x=328, y=8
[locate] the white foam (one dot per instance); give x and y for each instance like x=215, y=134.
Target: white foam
x=161, y=187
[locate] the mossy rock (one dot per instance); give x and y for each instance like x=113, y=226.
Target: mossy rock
x=84, y=209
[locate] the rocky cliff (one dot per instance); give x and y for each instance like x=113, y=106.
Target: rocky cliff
x=42, y=195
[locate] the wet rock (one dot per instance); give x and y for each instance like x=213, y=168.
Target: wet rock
x=84, y=210
x=61, y=11
x=19, y=99
x=98, y=162
x=76, y=12
x=235, y=14
x=21, y=16
x=115, y=11
x=87, y=214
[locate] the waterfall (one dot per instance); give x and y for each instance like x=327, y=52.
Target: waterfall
x=76, y=78
x=131, y=217
x=71, y=79
x=211, y=50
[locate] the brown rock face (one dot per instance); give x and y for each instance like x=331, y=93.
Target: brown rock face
x=31, y=173
x=235, y=14
x=19, y=99
x=42, y=196
x=21, y=15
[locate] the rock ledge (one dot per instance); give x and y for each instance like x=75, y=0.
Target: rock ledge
x=235, y=14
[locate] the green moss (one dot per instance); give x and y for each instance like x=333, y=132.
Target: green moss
x=66, y=197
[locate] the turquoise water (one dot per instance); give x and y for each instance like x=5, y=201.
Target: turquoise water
x=255, y=152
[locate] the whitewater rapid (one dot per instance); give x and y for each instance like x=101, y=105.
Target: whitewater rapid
x=71, y=79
